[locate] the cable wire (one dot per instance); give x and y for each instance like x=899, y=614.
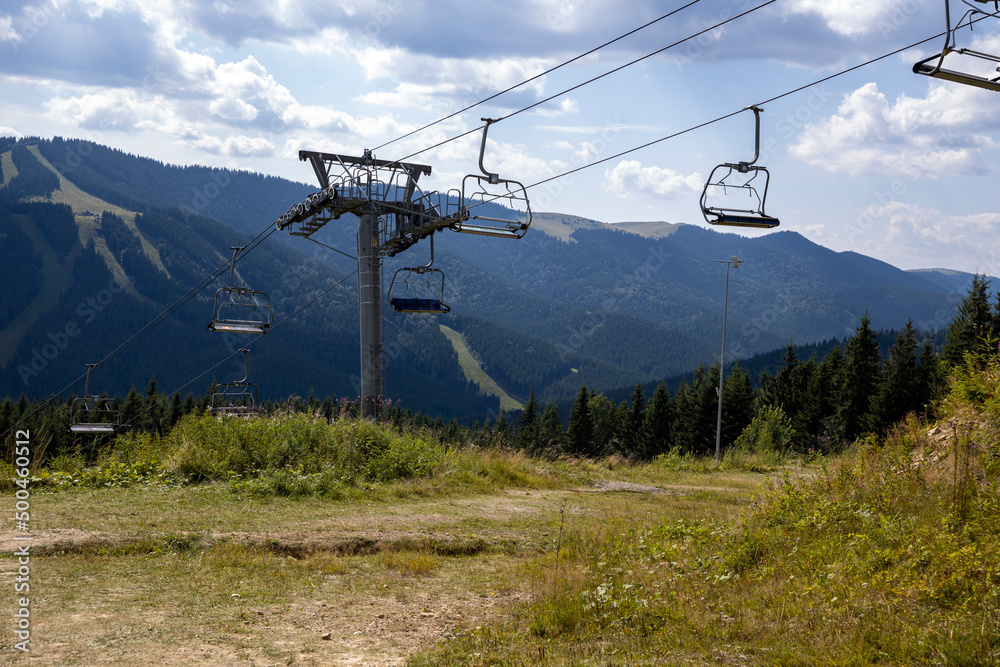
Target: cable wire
x=733, y=113
x=537, y=76
x=247, y=346
x=593, y=79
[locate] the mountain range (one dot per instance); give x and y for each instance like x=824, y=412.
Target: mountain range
x=96, y=245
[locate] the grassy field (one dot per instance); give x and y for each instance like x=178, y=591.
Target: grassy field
x=288, y=540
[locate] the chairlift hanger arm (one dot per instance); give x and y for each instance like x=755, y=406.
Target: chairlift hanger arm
x=494, y=178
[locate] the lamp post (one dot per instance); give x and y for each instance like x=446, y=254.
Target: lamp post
x=734, y=263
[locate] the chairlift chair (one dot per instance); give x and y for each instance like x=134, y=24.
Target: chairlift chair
x=94, y=414
x=934, y=65
x=745, y=179
x=493, y=206
x=426, y=281
x=240, y=309
x=235, y=399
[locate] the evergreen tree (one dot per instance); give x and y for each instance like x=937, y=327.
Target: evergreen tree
x=633, y=434
x=580, y=433
x=132, y=408
x=501, y=428
x=972, y=323
x=932, y=375
x=529, y=427
x=737, y=405
x=604, y=416
x=6, y=417
x=552, y=435
x=901, y=387
x=858, y=382
x=658, y=419
x=153, y=419
x=174, y=411
x=695, y=413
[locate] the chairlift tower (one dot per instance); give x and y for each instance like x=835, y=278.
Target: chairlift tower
x=394, y=214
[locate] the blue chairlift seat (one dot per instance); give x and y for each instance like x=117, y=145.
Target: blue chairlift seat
x=417, y=305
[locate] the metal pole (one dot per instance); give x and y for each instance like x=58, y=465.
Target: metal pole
x=734, y=263
x=370, y=307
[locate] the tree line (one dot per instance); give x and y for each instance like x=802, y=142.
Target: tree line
x=822, y=403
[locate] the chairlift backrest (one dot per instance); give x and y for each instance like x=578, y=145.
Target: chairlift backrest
x=745, y=179
x=235, y=399
x=493, y=206
x=94, y=414
x=428, y=289
x=934, y=65
x=240, y=309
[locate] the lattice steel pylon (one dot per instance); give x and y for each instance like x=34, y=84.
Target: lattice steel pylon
x=393, y=214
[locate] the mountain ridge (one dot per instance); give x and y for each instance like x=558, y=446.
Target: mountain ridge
x=602, y=304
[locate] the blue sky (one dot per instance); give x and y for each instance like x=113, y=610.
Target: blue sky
x=880, y=161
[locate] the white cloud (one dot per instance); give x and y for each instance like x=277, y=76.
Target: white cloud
x=629, y=177
x=912, y=236
x=566, y=106
x=912, y=137
x=236, y=146
x=854, y=18
x=7, y=31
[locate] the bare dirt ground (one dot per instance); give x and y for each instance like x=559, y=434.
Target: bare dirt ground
x=98, y=603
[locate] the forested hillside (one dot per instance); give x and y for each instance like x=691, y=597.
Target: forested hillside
x=584, y=304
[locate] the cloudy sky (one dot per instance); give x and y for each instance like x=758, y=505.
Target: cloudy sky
x=879, y=160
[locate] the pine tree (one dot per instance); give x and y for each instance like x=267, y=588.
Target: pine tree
x=153, y=419
x=605, y=417
x=901, y=387
x=737, y=405
x=633, y=435
x=658, y=418
x=174, y=411
x=552, y=435
x=971, y=324
x=580, y=434
x=858, y=382
x=132, y=408
x=501, y=428
x=528, y=426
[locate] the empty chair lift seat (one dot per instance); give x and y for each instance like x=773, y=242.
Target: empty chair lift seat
x=417, y=305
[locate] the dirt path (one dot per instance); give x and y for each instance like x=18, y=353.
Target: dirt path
x=367, y=583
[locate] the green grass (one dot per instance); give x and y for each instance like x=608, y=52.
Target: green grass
x=887, y=554
x=475, y=373
x=203, y=545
